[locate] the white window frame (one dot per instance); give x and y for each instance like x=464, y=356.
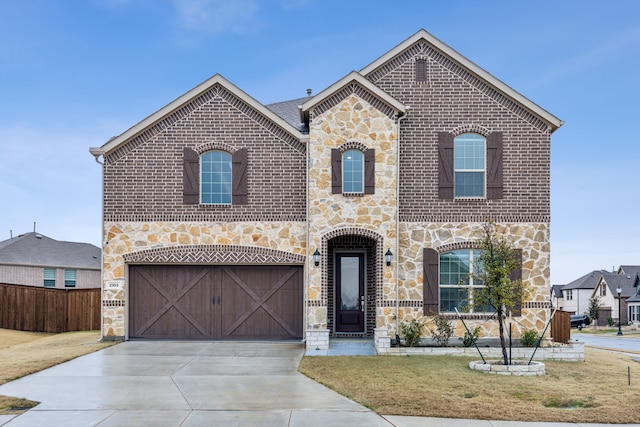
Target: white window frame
x=224, y=195
x=347, y=162
x=469, y=286
x=459, y=143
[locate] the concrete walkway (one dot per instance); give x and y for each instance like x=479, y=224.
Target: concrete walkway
x=195, y=384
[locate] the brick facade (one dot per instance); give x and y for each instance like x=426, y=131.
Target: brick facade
x=393, y=111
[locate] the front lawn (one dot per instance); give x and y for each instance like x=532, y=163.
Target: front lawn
x=595, y=391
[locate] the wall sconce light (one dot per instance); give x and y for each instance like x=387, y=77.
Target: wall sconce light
x=388, y=256
x=316, y=258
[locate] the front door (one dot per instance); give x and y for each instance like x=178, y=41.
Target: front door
x=350, y=298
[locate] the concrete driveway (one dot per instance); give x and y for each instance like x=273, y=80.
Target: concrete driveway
x=184, y=384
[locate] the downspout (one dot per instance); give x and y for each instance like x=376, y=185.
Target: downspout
x=97, y=153
x=305, y=294
x=397, y=246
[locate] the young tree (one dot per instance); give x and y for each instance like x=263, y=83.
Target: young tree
x=593, y=311
x=497, y=262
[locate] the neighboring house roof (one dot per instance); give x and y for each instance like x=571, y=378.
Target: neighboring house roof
x=203, y=87
x=588, y=281
x=626, y=283
x=553, y=122
x=35, y=249
x=556, y=291
x=629, y=269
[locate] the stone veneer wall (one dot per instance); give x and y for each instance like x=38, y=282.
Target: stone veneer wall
x=179, y=242
x=532, y=238
x=350, y=119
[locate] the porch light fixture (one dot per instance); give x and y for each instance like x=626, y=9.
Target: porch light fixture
x=388, y=256
x=619, y=291
x=316, y=258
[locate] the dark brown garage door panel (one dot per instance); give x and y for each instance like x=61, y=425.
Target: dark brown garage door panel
x=261, y=302
x=215, y=302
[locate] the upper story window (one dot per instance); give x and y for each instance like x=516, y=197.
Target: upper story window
x=603, y=290
x=50, y=277
x=469, y=164
x=569, y=294
x=69, y=278
x=215, y=178
x=353, y=172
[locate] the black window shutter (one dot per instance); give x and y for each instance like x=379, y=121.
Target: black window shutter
x=336, y=171
x=431, y=290
x=421, y=70
x=445, y=165
x=494, y=166
x=517, y=275
x=370, y=171
x=239, y=177
x=191, y=177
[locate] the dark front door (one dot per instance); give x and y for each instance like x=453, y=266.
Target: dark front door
x=350, y=298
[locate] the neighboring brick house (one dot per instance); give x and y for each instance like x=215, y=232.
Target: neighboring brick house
x=228, y=219
x=33, y=259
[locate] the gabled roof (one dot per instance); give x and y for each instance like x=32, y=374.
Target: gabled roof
x=588, y=281
x=625, y=282
x=35, y=249
x=629, y=269
x=354, y=77
x=543, y=114
x=115, y=142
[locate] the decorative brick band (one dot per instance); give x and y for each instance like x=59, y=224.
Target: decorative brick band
x=473, y=218
x=213, y=254
x=403, y=303
x=113, y=303
x=455, y=246
x=205, y=217
x=316, y=303
x=537, y=304
x=214, y=145
x=352, y=145
x=470, y=128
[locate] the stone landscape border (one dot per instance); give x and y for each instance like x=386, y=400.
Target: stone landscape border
x=572, y=352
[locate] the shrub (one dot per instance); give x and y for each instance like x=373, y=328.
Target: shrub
x=529, y=338
x=442, y=330
x=411, y=332
x=610, y=321
x=470, y=338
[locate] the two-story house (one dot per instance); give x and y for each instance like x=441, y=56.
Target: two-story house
x=338, y=214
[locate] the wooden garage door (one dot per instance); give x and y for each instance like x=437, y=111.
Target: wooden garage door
x=215, y=302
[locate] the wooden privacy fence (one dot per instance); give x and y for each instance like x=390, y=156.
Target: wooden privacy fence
x=561, y=327
x=28, y=308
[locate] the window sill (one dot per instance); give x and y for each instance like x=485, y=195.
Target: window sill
x=353, y=194
x=469, y=199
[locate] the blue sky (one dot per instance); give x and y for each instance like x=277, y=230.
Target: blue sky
x=74, y=73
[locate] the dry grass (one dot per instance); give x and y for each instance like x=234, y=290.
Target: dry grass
x=23, y=353
x=439, y=386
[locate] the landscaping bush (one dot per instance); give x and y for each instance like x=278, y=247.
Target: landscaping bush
x=411, y=332
x=470, y=338
x=529, y=338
